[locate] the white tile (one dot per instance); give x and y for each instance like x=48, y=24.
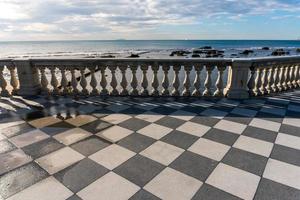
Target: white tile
x=265, y=124
x=155, y=131
x=115, y=133
x=45, y=121
x=288, y=140
x=47, y=189
x=244, y=112
x=171, y=184
x=111, y=186
x=149, y=116
x=274, y=111
x=214, y=113
x=59, y=160
x=116, y=118
x=71, y=136
x=81, y=120
x=292, y=121
x=183, y=115
x=209, y=149
x=282, y=172
x=193, y=128
x=234, y=181
x=9, y=124
x=28, y=138
x=2, y=137
x=254, y=145
x=112, y=156
x=162, y=152
x=230, y=126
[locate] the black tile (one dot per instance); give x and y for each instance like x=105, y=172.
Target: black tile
x=180, y=139
x=221, y=136
x=193, y=109
x=261, y=134
x=100, y=113
x=42, y=148
x=21, y=178
x=170, y=122
x=223, y=108
x=238, y=118
x=194, y=165
x=134, y=124
x=90, y=145
x=269, y=117
x=246, y=161
x=270, y=190
x=17, y=130
x=207, y=192
x=292, y=130
x=6, y=146
x=139, y=170
x=163, y=110
x=205, y=120
x=286, y=154
x=136, y=142
x=81, y=174
x=96, y=126
x=34, y=115
x=133, y=111
x=144, y=195
x=57, y=128
x=74, y=197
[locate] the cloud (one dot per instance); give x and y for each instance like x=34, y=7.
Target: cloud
x=85, y=17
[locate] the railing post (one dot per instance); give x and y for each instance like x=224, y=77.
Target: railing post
x=29, y=79
x=238, y=74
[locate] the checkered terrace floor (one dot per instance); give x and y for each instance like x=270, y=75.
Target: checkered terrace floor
x=147, y=148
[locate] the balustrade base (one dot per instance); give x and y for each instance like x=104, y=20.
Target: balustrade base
x=237, y=94
x=29, y=91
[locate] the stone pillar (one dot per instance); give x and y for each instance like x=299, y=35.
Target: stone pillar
x=28, y=78
x=238, y=74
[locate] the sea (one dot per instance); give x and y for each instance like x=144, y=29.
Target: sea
x=148, y=48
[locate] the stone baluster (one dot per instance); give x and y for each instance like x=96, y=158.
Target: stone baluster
x=103, y=82
x=64, y=81
x=187, y=82
x=165, y=82
x=258, y=81
x=264, y=81
x=281, y=79
x=113, y=82
x=13, y=79
x=93, y=82
x=251, y=82
x=197, y=83
x=296, y=76
x=270, y=80
x=54, y=81
x=176, y=82
x=83, y=82
x=44, y=82
x=290, y=76
x=3, y=84
x=124, y=82
x=155, y=82
x=276, y=79
x=219, y=83
x=134, y=82
x=74, y=82
x=145, y=91
x=285, y=78
x=208, y=82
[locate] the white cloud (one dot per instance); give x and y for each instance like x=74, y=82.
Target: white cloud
x=85, y=17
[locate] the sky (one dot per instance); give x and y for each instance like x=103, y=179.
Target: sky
x=148, y=19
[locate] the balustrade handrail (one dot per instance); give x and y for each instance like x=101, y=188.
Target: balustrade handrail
x=246, y=76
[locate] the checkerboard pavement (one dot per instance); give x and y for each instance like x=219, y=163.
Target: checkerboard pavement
x=147, y=148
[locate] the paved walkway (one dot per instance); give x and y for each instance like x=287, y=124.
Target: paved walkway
x=144, y=148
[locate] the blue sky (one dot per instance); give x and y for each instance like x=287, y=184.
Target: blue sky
x=149, y=19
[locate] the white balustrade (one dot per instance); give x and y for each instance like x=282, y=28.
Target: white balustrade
x=197, y=81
